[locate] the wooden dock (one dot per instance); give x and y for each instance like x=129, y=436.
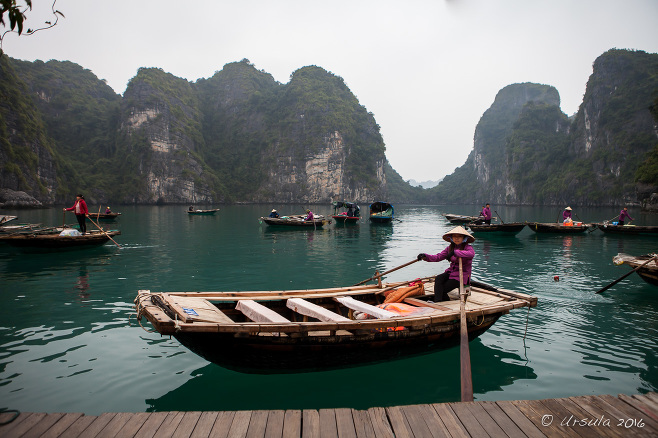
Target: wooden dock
x=584, y=417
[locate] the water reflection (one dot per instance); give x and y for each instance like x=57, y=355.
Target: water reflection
x=213, y=388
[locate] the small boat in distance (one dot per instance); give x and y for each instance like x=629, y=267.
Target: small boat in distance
x=558, y=228
x=269, y=332
x=381, y=212
x=352, y=215
x=611, y=228
x=58, y=239
x=648, y=272
x=462, y=219
x=6, y=218
x=203, y=212
x=506, y=228
x=108, y=217
x=296, y=221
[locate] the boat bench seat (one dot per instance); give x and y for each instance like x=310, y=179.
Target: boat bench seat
x=376, y=312
x=259, y=313
x=190, y=309
x=307, y=308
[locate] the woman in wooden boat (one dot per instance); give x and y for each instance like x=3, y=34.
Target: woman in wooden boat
x=486, y=214
x=623, y=214
x=81, y=212
x=566, y=216
x=309, y=216
x=459, y=247
x=108, y=210
x=274, y=214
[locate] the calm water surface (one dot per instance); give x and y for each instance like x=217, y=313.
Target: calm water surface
x=68, y=342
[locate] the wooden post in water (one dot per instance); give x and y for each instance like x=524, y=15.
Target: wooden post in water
x=464, y=354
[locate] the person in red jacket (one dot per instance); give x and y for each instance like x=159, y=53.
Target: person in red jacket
x=81, y=212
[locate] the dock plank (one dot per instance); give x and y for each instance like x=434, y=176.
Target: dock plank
x=222, y=424
x=42, y=426
x=380, y=423
x=169, y=424
x=328, y=427
x=362, y=424
x=436, y=426
x=640, y=406
x=450, y=420
x=23, y=423
x=113, y=427
x=520, y=420
x=96, y=426
x=62, y=425
x=502, y=419
x=345, y=423
x=204, y=425
x=134, y=424
x=399, y=422
x=240, y=424
x=627, y=411
x=567, y=419
x=310, y=423
x=257, y=424
x=415, y=421
x=470, y=422
x=151, y=425
x=292, y=423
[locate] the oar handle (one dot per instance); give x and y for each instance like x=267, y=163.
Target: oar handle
x=625, y=275
x=387, y=272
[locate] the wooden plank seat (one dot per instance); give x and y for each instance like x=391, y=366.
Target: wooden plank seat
x=190, y=309
x=259, y=313
x=307, y=308
x=360, y=306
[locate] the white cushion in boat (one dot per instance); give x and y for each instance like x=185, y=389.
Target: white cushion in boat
x=307, y=308
x=259, y=313
x=377, y=312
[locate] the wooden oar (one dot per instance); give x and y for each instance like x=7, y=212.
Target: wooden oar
x=501, y=220
x=625, y=275
x=103, y=231
x=387, y=272
x=464, y=354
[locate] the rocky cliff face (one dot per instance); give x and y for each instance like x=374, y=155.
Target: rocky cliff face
x=27, y=165
x=161, y=128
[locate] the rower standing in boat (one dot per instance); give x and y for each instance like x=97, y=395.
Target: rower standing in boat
x=566, y=215
x=623, y=214
x=81, y=212
x=459, y=247
x=486, y=213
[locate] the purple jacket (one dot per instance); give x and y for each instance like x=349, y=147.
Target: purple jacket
x=623, y=215
x=466, y=253
x=566, y=215
x=486, y=212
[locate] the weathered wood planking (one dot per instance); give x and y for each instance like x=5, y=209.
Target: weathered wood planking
x=605, y=415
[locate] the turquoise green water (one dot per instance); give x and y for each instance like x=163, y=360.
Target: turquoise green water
x=68, y=344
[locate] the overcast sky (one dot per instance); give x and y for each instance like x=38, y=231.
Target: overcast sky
x=427, y=69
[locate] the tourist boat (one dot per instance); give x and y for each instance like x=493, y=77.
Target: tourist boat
x=507, y=228
x=381, y=212
x=609, y=228
x=648, y=272
x=462, y=219
x=296, y=221
x=306, y=330
x=53, y=239
x=344, y=217
x=104, y=216
x=203, y=212
x=558, y=228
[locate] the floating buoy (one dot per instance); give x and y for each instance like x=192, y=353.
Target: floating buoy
x=556, y=278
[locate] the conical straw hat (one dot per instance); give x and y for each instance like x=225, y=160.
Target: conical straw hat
x=459, y=230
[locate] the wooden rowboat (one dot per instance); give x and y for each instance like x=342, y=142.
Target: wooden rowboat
x=345, y=217
x=6, y=218
x=305, y=330
x=557, y=228
x=104, y=216
x=381, y=212
x=507, y=228
x=648, y=272
x=203, y=212
x=462, y=219
x=627, y=229
x=296, y=221
x=52, y=239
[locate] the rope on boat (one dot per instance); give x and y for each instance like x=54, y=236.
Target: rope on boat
x=474, y=321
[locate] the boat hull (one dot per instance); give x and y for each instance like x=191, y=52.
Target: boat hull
x=279, y=222
x=106, y=217
x=461, y=219
x=511, y=228
x=628, y=230
x=556, y=228
x=285, y=354
x=55, y=241
x=342, y=219
x=203, y=212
